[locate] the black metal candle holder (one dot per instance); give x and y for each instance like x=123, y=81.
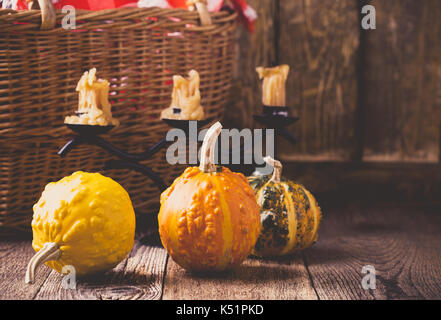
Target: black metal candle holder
x=278, y=118
x=90, y=134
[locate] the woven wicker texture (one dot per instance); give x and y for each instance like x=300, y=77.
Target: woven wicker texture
x=138, y=51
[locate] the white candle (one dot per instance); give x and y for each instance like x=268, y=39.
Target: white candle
x=186, y=99
x=93, y=101
x=274, y=85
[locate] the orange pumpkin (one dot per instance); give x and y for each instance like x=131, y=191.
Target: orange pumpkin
x=209, y=217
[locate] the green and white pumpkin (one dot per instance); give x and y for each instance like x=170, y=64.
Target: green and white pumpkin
x=289, y=214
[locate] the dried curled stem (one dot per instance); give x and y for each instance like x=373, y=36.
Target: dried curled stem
x=50, y=251
x=208, y=147
x=277, y=174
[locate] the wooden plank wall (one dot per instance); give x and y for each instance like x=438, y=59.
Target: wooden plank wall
x=402, y=82
x=320, y=40
x=371, y=95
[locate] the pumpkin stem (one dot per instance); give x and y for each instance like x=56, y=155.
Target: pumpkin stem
x=277, y=173
x=207, y=149
x=50, y=251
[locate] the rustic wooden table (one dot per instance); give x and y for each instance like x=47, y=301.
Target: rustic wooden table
x=402, y=242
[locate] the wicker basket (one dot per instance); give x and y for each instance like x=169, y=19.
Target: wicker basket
x=138, y=51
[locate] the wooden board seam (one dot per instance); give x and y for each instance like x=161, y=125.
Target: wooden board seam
x=311, y=280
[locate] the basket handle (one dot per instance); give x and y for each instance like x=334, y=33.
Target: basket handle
x=201, y=7
x=48, y=16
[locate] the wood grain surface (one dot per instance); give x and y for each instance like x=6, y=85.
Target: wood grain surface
x=320, y=40
x=402, y=82
x=369, y=181
x=401, y=240
x=255, y=279
x=403, y=249
x=14, y=256
x=140, y=276
x=372, y=95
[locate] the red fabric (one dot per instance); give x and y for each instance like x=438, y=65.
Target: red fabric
x=22, y=5
x=178, y=3
x=215, y=5
x=94, y=5
x=240, y=6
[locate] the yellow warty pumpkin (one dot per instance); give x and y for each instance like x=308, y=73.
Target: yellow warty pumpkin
x=84, y=220
x=209, y=217
x=290, y=215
